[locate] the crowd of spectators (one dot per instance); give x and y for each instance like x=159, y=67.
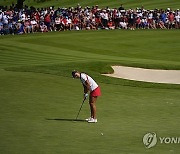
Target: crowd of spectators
x=30, y=19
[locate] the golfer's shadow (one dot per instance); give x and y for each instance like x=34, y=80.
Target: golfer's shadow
x=63, y=119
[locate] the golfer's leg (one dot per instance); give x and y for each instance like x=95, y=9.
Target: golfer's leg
x=92, y=103
x=91, y=110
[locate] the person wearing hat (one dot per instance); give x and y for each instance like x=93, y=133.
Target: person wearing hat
x=89, y=86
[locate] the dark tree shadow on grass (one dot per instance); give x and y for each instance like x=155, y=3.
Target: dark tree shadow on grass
x=63, y=119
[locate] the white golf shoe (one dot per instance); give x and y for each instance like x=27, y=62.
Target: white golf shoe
x=92, y=120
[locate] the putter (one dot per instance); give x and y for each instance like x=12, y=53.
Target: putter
x=80, y=108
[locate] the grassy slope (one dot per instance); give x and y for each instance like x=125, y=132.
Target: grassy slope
x=126, y=111
x=102, y=3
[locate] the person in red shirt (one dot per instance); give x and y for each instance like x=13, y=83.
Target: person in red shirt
x=64, y=22
x=37, y=16
x=138, y=22
x=47, y=20
x=76, y=22
x=171, y=20
x=111, y=24
x=98, y=22
x=27, y=26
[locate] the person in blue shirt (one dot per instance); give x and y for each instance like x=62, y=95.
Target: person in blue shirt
x=163, y=17
x=1, y=28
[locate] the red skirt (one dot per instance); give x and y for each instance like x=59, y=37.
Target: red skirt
x=96, y=92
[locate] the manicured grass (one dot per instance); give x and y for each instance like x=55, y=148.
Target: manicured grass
x=174, y=4
x=39, y=98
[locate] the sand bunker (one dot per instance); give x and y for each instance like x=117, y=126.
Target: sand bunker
x=146, y=75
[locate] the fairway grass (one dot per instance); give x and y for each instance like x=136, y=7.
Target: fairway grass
x=39, y=99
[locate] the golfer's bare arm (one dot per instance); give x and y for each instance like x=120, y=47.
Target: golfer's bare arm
x=86, y=86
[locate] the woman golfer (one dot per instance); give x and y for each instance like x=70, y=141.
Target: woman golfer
x=89, y=85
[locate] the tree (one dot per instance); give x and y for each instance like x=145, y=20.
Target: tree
x=20, y=4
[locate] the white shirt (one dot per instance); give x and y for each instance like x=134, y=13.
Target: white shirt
x=177, y=18
x=23, y=17
x=5, y=19
x=69, y=21
x=1, y=16
x=84, y=77
x=33, y=22
x=106, y=16
x=150, y=16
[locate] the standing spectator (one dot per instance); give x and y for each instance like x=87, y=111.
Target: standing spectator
x=104, y=19
x=150, y=20
x=57, y=23
x=37, y=15
x=98, y=22
x=76, y=23
x=177, y=17
x=116, y=16
x=121, y=7
x=69, y=23
x=163, y=17
x=132, y=20
x=47, y=20
x=138, y=22
x=171, y=20
x=1, y=28
x=64, y=23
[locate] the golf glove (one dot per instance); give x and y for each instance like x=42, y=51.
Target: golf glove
x=85, y=95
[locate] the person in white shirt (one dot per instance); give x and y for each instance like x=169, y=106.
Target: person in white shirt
x=177, y=19
x=1, y=15
x=89, y=85
x=34, y=25
x=69, y=23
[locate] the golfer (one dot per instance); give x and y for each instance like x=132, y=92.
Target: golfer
x=89, y=86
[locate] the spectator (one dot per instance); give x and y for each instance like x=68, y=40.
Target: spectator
x=57, y=23
x=30, y=20
x=20, y=27
x=1, y=28
x=177, y=19
x=171, y=20
x=104, y=18
x=132, y=20
x=111, y=24
x=43, y=27
x=34, y=25
x=47, y=20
